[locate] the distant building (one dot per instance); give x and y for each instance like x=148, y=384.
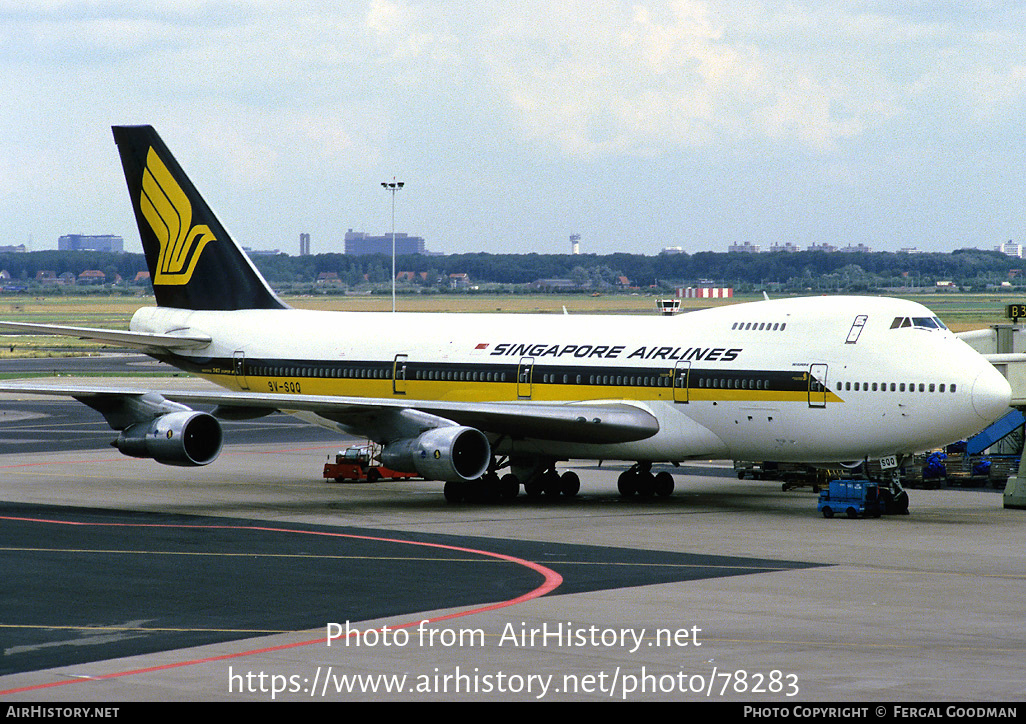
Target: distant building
x=553, y=284
x=786, y=247
x=575, y=243
x=822, y=247
x=704, y=292
x=411, y=276
x=304, y=245
x=81, y=242
x=671, y=250
x=359, y=243
x=860, y=248
x=746, y=248
x=18, y=249
x=1010, y=249
x=92, y=276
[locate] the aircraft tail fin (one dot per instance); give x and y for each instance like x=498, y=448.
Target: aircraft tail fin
x=193, y=262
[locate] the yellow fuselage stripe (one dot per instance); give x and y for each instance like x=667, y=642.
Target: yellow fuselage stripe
x=466, y=391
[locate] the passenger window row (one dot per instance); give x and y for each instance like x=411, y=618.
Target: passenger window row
x=759, y=326
x=896, y=387
x=618, y=380
x=364, y=373
x=459, y=376
x=733, y=384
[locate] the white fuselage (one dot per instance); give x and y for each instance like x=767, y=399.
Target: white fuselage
x=821, y=379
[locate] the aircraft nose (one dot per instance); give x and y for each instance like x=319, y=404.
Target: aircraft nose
x=991, y=394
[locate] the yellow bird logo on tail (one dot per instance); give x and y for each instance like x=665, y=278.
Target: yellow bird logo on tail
x=169, y=213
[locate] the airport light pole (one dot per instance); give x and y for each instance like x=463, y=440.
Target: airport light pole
x=393, y=187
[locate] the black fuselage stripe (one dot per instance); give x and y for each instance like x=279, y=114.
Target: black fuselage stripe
x=540, y=374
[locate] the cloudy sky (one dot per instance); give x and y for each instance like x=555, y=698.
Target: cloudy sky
x=638, y=125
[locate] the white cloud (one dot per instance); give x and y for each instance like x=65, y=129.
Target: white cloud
x=279, y=97
x=605, y=78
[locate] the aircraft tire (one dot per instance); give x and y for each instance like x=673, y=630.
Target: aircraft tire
x=663, y=484
x=646, y=485
x=569, y=484
x=477, y=491
x=490, y=486
x=627, y=483
x=509, y=486
x=454, y=492
x=550, y=484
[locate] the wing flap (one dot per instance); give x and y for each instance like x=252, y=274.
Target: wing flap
x=591, y=422
x=603, y=423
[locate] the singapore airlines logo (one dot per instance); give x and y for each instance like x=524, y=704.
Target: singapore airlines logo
x=169, y=213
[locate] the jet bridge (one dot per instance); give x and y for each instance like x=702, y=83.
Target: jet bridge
x=1005, y=346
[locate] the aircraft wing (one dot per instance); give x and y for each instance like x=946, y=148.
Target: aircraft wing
x=184, y=339
x=382, y=419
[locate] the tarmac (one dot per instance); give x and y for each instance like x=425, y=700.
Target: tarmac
x=253, y=579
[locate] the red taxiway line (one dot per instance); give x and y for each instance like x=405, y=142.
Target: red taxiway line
x=551, y=581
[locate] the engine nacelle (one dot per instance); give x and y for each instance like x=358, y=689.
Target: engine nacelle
x=452, y=454
x=186, y=438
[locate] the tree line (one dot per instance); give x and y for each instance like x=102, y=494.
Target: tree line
x=799, y=271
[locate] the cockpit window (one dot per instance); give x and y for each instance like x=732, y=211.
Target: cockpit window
x=928, y=323
x=918, y=322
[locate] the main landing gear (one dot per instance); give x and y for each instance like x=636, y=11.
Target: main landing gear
x=490, y=487
x=639, y=481
x=540, y=479
x=551, y=484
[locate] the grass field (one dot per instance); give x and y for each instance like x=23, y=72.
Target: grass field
x=960, y=312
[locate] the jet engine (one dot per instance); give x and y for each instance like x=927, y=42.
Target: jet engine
x=452, y=454
x=185, y=438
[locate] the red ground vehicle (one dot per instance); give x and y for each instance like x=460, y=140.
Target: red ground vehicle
x=360, y=464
